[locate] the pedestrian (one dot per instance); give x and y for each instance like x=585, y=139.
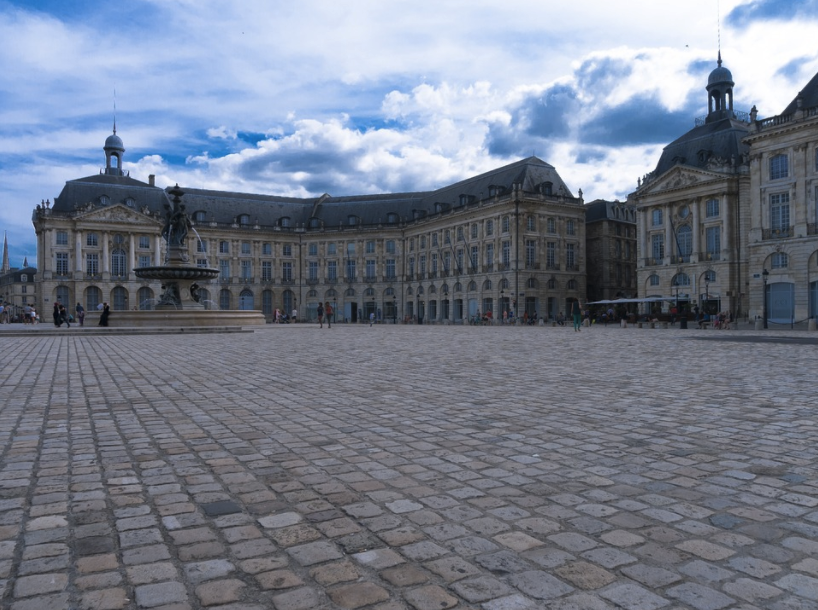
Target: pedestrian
x=64, y=316
x=329, y=312
x=80, y=313
x=371, y=318
x=106, y=312
x=294, y=315
x=320, y=316
x=56, y=314
x=576, y=313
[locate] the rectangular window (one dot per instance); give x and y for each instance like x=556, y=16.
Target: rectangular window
x=224, y=269
x=332, y=271
x=551, y=254
x=266, y=271
x=287, y=250
x=118, y=263
x=370, y=269
x=447, y=237
x=530, y=224
x=505, y=224
x=713, y=239
x=286, y=271
x=474, y=256
x=506, y=254
x=460, y=234
x=331, y=248
x=370, y=247
x=144, y=242
x=201, y=262
x=267, y=248
x=412, y=265
x=350, y=270
x=434, y=240
x=92, y=264
x=350, y=248
x=246, y=270
x=570, y=228
x=390, y=246
x=551, y=225
x=390, y=268
x=656, y=218
x=92, y=240
x=489, y=254
x=422, y=268
x=434, y=264
x=312, y=271
x=312, y=250
x=474, y=231
x=570, y=256
x=489, y=228
x=712, y=208
x=657, y=243
x=62, y=238
x=422, y=242
x=447, y=261
x=201, y=245
x=779, y=167
x=780, y=212
x=144, y=261
x=224, y=247
x=530, y=253
x=245, y=247
x=459, y=260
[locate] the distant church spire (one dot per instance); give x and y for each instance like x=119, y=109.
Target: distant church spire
x=5, y=267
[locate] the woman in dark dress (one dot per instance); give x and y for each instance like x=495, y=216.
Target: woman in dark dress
x=106, y=311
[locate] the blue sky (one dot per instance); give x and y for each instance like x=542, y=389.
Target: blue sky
x=302, y=98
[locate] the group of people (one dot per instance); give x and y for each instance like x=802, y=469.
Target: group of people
x=326, y=311
x=61, y=315
x=279, y=317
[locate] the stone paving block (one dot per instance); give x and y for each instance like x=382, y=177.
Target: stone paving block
x=700, y=597
x=633, y=597
x=452, y=569
x=278, y=579
x=160, y=594
x=304, y=598
x=335, y=572
x=105, y=599
x=481, y=589
x=40, y=584
x=314, y=552
x=430, y=598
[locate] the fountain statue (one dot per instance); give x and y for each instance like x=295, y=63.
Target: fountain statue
x=179, y=279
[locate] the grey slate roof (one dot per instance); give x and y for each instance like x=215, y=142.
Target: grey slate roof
x=718, y=140
x=267, y=210
x=809, y=97
x=600, y=209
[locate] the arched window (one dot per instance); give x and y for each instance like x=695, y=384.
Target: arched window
x=472, y=286
x=458, y=287
x=409, y=291
x=120, y=298
x=369, y=292
x=552, y=284
x=93, y=297
x=432, y=290
x=64, y=296
x=504, y=284
x=779, y=260
x=653, y=280
x=487, y=285
x=420, y=290
x=349, y=292
x=389, y=292
x=246, y=299
x=118, y=263
x=531, y=283
x=571, y=285
x=267, y=302
x=709, y=276
x=224, y=299
x=331, y=294
x=681, y=279
x=144, y=298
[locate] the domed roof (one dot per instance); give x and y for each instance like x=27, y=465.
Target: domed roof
x=115, y=142
x=720, y=75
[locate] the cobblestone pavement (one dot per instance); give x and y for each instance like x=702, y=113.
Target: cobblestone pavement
x=401, y=467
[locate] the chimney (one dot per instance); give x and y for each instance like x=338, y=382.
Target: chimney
x=152, y=180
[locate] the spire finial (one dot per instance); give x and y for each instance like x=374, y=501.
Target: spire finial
x=114, y=110
x=719, y=62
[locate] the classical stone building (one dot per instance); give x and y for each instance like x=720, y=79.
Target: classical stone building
x=513, y=238
x=783, y=223
x=610, y=250
x=693, y=210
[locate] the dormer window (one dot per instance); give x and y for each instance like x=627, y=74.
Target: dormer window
x=547, y=188
x=199, y=216
x=495, y=190
x=284, y=222
x=352, y=220
x=466, y=199
x=244, y=219
x=130, y=202
x=392, y=218
x=315, y=223
x=104, y=200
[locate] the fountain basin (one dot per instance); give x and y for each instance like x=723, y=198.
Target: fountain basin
x=176, y=273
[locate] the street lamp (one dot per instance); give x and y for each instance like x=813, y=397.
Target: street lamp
x=764, y=275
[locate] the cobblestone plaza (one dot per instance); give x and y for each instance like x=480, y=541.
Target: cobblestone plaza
x=409, y=467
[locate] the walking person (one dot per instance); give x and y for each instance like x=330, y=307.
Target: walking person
x=80, y=313
x=329, y=312
x=371, y=318
x=56, y=314
x=106, y=312
x=576, y=313
x=320, y=316
x=64, y=316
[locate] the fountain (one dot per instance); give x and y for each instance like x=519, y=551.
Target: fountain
x=180, y=304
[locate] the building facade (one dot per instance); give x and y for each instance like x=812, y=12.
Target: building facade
x=512, y=239
x=693, y=211
x=610, y=246
x=783, y=232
